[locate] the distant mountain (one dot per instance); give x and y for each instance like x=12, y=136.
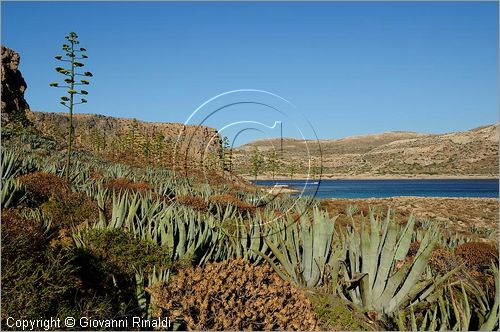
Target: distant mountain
x=468, y=153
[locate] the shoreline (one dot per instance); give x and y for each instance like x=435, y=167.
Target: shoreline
x=402, y=197
x=373, y=177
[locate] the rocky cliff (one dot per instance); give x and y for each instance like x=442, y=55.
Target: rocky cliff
x=14, y=105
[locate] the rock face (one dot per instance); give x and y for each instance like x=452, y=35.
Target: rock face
x=398, y=154
x=14, y=105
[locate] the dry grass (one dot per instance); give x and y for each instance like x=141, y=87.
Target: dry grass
x=443, y=261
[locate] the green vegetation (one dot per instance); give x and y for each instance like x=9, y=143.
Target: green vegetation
x=272, y=163
x=73, y=53
x=257, y=163
x=292, y=167
x=335, y=314
x=118, y=240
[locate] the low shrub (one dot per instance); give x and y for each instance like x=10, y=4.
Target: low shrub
x=228, y=199
x=41, y=186
x=108, y=261
x=477, y=256
x=40, y=280
x=334, y=314
x=121, y=253
x=196, y=203
x=233, y=295
x=125, y=184
x=73, y=209
x=36, y=280
x=443, y=261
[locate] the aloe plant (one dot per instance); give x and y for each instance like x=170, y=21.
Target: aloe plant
x=118, y=171
x=247, y=237
x=178, y=227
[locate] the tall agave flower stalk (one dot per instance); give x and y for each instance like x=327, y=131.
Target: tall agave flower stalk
x=302, y=250
x=379, y=278
x=73, y=56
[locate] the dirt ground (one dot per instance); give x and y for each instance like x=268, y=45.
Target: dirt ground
x=476, y=217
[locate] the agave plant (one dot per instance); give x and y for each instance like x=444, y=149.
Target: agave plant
x=118, y=171
x=12, y=193
x=242, y=238
x=143, y=298
x=375, y=271
x=461, y=307
x=11, y=164
x=302, y=250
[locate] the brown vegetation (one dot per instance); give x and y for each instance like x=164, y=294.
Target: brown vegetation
x=74, y=209
x=477, y=256
x=24, y=233
x=233, y=295
x=41, y=186
x=124, y=184
x=196, y=203
x=229, y=199
x=459, y=215
x=443, y=261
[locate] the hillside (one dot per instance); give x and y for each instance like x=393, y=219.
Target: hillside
x=405, y=154
x=128, y=227
x=130, y=139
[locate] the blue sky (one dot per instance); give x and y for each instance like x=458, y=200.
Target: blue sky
x=349, y=68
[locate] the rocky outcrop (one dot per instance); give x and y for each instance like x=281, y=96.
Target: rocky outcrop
x=14, y=105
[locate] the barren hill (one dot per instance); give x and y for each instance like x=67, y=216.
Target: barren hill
x=468, y=153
